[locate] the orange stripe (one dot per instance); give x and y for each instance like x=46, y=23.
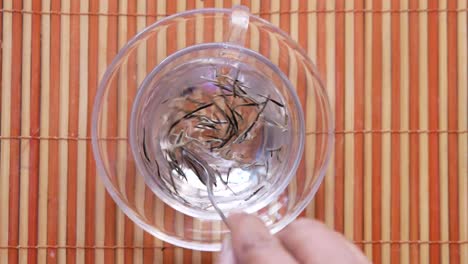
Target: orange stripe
x=339, y=115
x=190, y=40
x=169, y=213
x=322, y=68
x=1, y=51
x=112, y=129
x=264, y=38
x=208, y=36
x=359, y=123
x=148, y=252
x=283, y=58
x=301, y=90
x=90, y=165
x=376, y=124
x=15, y=127
x=285, y=23
x=247, y=37
x=453, y=139
x=414, y=124
x=434, y=190
x=188, y=231
x=52, y=205
x=395, y=138
x=73, y=129
x=150, y=206
x=131, y=170
x=34, y=130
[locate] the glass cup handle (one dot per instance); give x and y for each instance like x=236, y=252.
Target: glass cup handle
x=236, y=35
x=238, y=25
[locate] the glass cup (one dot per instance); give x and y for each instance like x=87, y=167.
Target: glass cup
x=179, y=57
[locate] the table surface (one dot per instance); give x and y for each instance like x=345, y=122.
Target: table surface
x=396, y=75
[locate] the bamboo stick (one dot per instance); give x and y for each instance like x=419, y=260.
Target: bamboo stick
x=395, y=162
x=339, y=111
x=423, y=139
x=35, y=124
x=161, y=54
x=330, y=87
x=310, y=44
x=100, y=202
x=349, y=117
x=44, y=146
x=322, y=69
x=443, y=139
x=5, y=130
x=359, y=120
x=72, y=155
x=367, y=125
x=63, y=128
x=404, y=124
x=463, y=124
x=91, y=180
x=434, y=142
x=386, y=117
x=82, y=128
x=25, y=129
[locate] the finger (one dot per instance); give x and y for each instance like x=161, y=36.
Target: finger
x=226, y=256
x=312, y=242
x=253, y=243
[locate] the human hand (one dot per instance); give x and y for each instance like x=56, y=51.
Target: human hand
x=303, y=241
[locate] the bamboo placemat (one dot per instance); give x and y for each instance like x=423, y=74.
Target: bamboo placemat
x=396, y=74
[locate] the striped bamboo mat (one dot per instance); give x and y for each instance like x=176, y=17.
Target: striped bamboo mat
x=396, y=74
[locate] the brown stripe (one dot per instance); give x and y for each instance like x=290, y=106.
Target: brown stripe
x=90, y=165
x=169, y=213
x=414, y=124
x=321, y=65
x=285, y=24
x=284, y=58
x=359, y=122
x=1, y=52
x=15, y=127
x=1, y=56
x=339, y=115
x=433, y=81
x=112, y=129
x=208, y=36
x=150, y=205
x=190, y=40
x=74, y=84
x=301, y=91
x=169, y=225
x=395, y=139
x=34, y=130
x=129, y=228
x=453, y=139
x=264, y=39
x=53, y=179
x=247, y=37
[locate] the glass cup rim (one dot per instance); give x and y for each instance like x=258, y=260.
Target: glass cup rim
x=296, y=108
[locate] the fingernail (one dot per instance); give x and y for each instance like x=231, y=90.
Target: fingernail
x=227, y=254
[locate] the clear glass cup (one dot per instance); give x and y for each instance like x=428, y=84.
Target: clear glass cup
x=131, y=96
